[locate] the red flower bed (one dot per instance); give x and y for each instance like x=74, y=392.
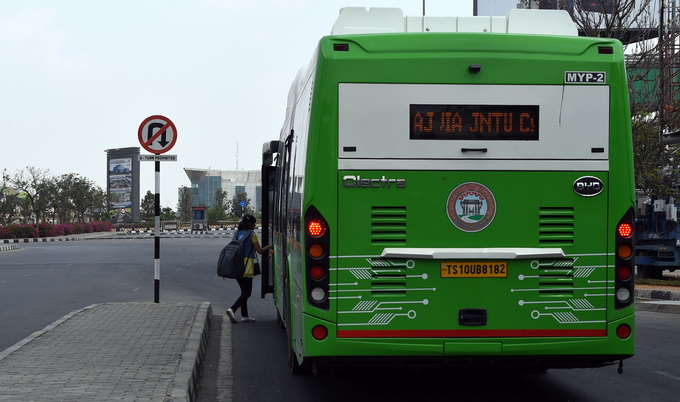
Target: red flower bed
x=52, y=230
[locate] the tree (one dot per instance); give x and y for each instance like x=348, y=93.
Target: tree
x=82, y=192
x=148, y=206
x=75, y=198
x=9, y=201
x=221, y=198
x=184, y=204
x=237, y=211
x=217, y=212
x=98, y=209
x=167, y=214
x=654, y=108
x=35, y=184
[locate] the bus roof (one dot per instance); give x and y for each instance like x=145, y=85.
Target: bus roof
x=359, y=20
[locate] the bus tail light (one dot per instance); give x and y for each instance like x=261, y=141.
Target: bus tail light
x=623, y=331
x=317, y=243
x=624, y=286
x=624, y=272
x=319, y=332
x=316, y=228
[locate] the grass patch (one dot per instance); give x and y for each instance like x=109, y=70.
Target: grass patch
x=666, y=281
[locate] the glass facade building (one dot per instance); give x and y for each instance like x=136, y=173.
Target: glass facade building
x=206, y=182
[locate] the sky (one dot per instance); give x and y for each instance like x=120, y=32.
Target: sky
x=78, y=77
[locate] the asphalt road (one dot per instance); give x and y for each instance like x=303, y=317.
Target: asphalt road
x=259, y=372
x=44, y=281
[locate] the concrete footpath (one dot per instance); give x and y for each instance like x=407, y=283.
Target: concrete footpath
x=112, y=351
x=130, y=352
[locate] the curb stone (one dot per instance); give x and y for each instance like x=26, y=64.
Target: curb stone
x=185, y=384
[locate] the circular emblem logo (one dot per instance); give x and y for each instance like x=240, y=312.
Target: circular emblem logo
x=471, y=207
x=588, y=186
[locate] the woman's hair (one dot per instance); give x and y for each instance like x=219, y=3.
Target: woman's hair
x=246, y=222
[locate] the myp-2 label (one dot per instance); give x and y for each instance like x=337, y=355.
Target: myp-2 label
x=585, y=77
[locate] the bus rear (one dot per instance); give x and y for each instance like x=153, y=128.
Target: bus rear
x=477, y=207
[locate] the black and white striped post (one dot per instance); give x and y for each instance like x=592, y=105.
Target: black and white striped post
x=157, y=237
x=157, y=134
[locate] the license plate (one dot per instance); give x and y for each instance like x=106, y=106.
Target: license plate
x=478, y=269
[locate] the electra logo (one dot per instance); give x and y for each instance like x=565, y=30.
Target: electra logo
x=588, y=186
x=350, y=181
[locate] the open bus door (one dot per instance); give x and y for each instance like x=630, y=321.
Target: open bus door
x=268, y=189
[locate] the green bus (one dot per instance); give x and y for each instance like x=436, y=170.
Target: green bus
x=454, y=191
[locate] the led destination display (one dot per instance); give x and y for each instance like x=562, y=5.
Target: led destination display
x=474, y=122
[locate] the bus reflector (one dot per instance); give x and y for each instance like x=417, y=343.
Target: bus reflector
x=623, y=272
x=622, y=294
x=318, y=294
x=625, y=230
x=624, y=251
x=317, y=272
x=320, y=332
x=316, y=228
x=623, y=331
x=316, y=250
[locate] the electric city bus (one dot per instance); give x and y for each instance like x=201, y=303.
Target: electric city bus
x=454, y=191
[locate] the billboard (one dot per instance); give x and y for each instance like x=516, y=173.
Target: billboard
x=122, y=173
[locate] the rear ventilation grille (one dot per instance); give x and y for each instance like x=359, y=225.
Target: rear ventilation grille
x=556, y=278
x=556, y=226
x=388, y=225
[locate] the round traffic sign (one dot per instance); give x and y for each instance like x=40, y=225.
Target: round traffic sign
x=157, y=134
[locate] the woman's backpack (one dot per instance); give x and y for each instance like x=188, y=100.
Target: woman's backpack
x=230, y=264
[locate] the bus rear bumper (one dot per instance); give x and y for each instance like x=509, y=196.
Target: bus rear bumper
x=528, y=352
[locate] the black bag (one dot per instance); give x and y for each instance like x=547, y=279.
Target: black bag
x=230, y=264
x=256, y=269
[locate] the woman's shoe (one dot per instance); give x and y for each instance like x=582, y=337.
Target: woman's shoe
x=232, y=317
x=247, y=319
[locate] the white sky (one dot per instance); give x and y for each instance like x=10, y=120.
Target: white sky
x=78, y=77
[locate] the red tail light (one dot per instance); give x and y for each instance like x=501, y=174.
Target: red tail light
x=317, y=272
x=623, y=331
x=624, y=286
x=623, y=273
x=319, y=332
x=317, y=259
x=316, y=228
x=625, y=230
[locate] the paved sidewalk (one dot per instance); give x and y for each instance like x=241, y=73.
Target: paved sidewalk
x=661, y=299
x=112, y=351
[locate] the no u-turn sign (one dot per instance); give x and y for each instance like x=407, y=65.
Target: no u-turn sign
x=157, y=134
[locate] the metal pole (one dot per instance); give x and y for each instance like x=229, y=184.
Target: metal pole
x=157, y=238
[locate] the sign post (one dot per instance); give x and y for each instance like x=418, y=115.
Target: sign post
x=157, y=134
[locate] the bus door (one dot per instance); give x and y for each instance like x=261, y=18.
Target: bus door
x=268, y=203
